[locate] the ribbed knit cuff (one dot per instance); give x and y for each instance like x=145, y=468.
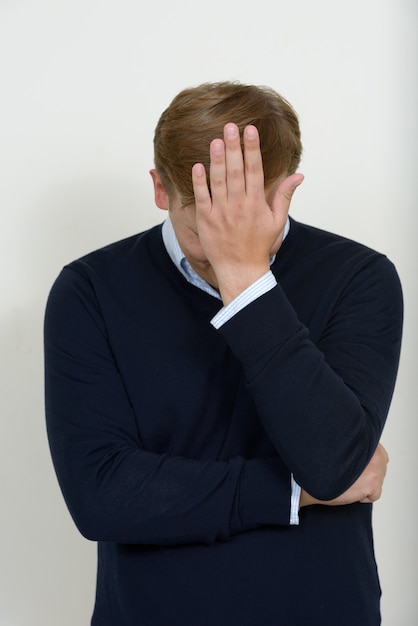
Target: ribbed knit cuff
x=265, y=493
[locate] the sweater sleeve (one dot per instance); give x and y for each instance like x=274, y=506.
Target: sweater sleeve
x=115, y=490
x=324, y=405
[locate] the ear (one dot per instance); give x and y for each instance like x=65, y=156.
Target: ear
x=160, y=194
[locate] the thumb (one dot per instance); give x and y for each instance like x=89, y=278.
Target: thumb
x=285, y=191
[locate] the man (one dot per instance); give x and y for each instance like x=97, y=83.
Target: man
x=216, y=388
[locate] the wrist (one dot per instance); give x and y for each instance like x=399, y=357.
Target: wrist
x=234, y=281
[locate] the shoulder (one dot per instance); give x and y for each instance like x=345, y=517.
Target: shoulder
x=333, y=255
x=120, y=253
x=116, y=261
x=322, y=242
x=323, y=272
x=112, y=271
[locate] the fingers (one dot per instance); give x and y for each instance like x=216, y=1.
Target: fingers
x=254, y=174
x=373, y=496
x=217, y=170
x=237, y=174
x=200, y=188
x=226, y=170
x=377, y=469
x=234, y=172
x=383, y=450
x=234, y=163
x=227, y=177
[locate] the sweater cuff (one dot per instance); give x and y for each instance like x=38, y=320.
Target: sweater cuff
x=264, y=325
x=265, y=493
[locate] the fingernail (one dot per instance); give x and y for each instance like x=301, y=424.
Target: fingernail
x=217, y=146
x=198, y=169
x=251, y=132
x=231, y=131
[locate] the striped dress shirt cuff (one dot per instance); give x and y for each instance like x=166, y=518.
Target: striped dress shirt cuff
x=254, y=291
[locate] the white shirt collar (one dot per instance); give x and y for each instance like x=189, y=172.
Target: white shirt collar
x=177, y=256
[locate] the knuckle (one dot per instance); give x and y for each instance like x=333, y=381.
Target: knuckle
x=217, y=183
x=235, y=173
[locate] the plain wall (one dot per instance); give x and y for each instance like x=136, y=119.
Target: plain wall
x=83, y=83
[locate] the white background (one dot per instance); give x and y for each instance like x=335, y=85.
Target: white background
x=83, y=83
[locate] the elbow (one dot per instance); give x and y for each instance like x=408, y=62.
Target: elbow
x=95, y=518
x=325, y=493
x=334, y=473
x=90, y=524
x=333, y=482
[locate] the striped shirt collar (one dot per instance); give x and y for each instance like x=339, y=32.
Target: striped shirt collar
x=177, y=256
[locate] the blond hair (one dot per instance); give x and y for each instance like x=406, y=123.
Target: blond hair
x=197, y=115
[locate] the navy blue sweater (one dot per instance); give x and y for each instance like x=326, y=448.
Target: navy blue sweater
x=174, y=442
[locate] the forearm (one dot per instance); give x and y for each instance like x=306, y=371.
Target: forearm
x=122, y=494
x=116, y=488
x=317, y=422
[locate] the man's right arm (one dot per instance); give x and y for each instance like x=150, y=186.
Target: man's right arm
x=114, y=488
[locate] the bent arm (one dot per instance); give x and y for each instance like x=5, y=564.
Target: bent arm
x=324, y=406
x=114, y=488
